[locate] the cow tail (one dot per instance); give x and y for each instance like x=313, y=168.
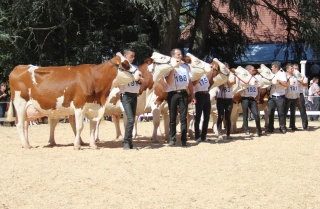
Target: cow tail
x=10, y=112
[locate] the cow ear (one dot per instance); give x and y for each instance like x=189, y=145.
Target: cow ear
x=126, y=65
x=148, y=61
x=186, y=60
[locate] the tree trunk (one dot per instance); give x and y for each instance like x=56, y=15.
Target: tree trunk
x=170, y=29
x=201, y=27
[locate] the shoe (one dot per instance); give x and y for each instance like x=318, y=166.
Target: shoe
x=172, y=143
x=283, y=130
x=229, y=137
x=126, y=146
x=259, y=134
x=305, y=128
x=247, y=132
x=269, y=131
x=220, y=137
x=250, y=119
x=184, y=144
x=199, y=140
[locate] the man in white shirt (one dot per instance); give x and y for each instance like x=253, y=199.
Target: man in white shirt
x=314, y=91
x=178, y=81
x=302, y=102
x=203, y=107
x=248, y=102
x=129, y=101
x=277, y=98
x=292, y=98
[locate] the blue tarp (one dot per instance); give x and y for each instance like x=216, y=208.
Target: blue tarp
x=267, y=53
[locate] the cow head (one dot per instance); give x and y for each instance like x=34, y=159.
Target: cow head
x=243, y=79
x=197, y=67
x=300, y=77
x=132, y=69
x=160, y=64
x=223, y=75
x=265, y=76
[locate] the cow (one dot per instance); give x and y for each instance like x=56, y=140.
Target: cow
x=65, y=90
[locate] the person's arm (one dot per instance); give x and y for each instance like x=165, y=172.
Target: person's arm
x=193, y=98
x=170, y=77
x=195, y=83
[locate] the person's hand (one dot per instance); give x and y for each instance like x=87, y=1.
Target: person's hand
x=4, y=95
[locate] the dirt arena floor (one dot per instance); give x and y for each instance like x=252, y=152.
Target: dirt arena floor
x=273, y=171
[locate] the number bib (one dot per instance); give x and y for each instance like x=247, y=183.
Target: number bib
x=181, y=78
x=251, y=91
x=293, y=91
x=203, y=84
x=226, y=93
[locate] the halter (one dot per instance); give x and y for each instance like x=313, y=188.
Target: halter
x=243, y=80
x=119, y=67
x=266, y=78
x=160, y=63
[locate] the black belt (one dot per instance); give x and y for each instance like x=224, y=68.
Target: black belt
x=282, y=96
x=247, y=97
x=130, y=94
x=202, y=92
x=179, y=91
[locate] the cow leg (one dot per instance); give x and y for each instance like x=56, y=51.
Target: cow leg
x=116, y=121
x=72, y=122
x=234, y=117
x=266, y=117
x=53, y=124
x=166, y=122
x=93, y=127
x=156, y=124
x=79, y=116
x=21, y=124
x=96, y=135
x=214, y=125
x=134, y=131
x=190, y=127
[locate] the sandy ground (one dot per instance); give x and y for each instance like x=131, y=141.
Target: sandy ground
x=274, y=171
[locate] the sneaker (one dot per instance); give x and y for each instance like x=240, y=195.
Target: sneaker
x=247, y=132
x=220, y=137
x=229, y=137
x=126, y=146
x=199, y=140
x=172, y=143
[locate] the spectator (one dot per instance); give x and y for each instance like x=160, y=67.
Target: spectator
x=3, y=101
x=314, y=91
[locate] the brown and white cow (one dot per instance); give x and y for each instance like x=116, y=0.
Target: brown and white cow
x=152, y=70
x=66, y=90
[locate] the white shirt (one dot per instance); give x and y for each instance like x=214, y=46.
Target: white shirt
x=251, y=91
x=278, y=89
x=181, y=78
x=226, y=93
x=203, y=84
x=293, y=91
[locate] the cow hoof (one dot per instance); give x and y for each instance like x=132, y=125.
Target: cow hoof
x=52, y=144
x=97, y=140
x=76, y=147
x=27, y=146
x=94, y=147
